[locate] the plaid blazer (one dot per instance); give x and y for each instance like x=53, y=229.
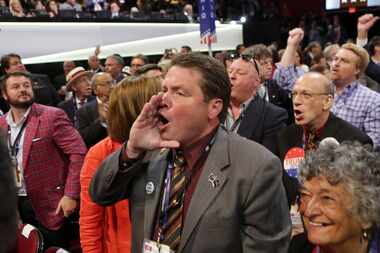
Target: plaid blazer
x=53, y=154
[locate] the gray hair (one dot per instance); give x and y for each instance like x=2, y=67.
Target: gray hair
x=258, y=51
x=117, y=58
x=356, y=167
x=330, y=51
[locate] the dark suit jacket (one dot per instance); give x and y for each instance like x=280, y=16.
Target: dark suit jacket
x=53, y=153
x=262, y=121
x=246, y=212
x=4, y=107
x=292, y=136
x=70, y=107
x=44, y=91
x=280, y=97
x=300, y=244
x=88, y=124
x=59, y=81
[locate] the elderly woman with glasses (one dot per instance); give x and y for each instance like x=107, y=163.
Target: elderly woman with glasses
x=340, y=200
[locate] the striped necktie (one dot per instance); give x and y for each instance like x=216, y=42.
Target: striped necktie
x=173, y=228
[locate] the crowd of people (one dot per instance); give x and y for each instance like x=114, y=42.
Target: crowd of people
x=257, y=150
x=100, y=9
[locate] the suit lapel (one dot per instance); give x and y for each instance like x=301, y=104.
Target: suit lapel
x=94, y=109
x=30, y=132
x=330, y=128
x=205, y=193
x=155, y=175
x=297, y=139
x=251, y=119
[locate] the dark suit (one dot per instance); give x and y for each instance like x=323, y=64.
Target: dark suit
x=4, y=107
x=59, y=81
x=70, y=107
x=261, y=121
x=246, y=212
x=120, y=77
x=280, y=97
x=89, y=125
x=300, y=244
x=44, y=92
x=292, y=136
x=53, y=154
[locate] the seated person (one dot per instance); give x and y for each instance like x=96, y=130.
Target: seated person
x=340, y=200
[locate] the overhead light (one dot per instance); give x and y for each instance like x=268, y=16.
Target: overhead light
x=243, y=19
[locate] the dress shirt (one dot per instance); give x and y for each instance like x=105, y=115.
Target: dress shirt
x=15, y=130
x=286, y=77
x=79, y=103
x=232, y=124
x=195, y=158
x=361, y=107
x=102, y=123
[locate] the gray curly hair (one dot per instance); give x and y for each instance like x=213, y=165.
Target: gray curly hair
x=356, y=167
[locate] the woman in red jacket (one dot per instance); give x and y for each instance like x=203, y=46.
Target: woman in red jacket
x=108, y=229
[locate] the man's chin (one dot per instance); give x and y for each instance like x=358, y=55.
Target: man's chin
x=22, y=105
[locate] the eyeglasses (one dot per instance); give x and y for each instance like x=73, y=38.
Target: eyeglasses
x=306, y=95
x=250, y=58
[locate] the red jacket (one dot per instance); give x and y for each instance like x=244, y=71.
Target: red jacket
x=102, y=229
x=53, y=153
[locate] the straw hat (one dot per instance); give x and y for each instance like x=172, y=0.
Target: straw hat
x=74, y=74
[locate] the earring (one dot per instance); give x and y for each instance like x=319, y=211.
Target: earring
x=364, y=235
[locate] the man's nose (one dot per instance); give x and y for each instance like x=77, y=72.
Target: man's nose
x=296, y=100
x=335, y=63
x=166, y=98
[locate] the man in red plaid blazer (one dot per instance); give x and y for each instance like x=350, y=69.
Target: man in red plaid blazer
x=48, y=154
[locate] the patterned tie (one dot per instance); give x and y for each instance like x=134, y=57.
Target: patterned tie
x=173, y=228
x=311, y=139
x=81, y=103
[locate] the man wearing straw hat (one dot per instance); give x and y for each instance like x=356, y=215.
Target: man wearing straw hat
x=78, y=81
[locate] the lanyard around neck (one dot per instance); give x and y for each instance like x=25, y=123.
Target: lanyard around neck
x=14, y=148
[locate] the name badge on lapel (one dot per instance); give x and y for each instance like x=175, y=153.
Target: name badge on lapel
x=150, y=246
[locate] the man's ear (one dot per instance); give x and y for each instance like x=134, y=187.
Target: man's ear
x=357, y=72
x=4, y=94
x=366, y=225
x=74, y=87
x=328, y=103
x=215, y=106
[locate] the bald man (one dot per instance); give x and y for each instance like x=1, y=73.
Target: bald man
x=313, y=97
